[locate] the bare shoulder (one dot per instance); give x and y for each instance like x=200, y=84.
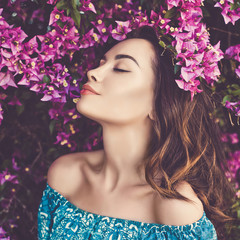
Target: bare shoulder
x=179, y=212
x=64, y=174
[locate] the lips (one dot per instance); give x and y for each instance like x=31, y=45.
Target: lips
x=86, y=86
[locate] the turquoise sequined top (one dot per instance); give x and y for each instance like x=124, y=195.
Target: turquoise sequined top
x=60, y=219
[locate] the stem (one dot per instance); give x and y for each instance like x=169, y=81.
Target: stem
x=223, y=31
x=230, y=118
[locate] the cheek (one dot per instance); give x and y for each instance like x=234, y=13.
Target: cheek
x=130, y=98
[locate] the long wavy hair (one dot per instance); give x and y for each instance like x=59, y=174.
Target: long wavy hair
x=185, y=144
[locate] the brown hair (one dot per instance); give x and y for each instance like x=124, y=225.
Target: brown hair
x=185, y=144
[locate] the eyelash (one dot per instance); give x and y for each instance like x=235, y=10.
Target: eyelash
x=115, y=69
x=120, y=70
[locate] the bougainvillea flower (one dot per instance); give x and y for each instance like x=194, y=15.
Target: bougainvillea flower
x=31, y=46
x=87, y=5
x=70, y=114
x=140, y=21
x=224, y=137
x=56, y=111
x=1, y=113
x=53, y=2
x=5, y=176
x=189, y=86
x=63, y=138
x=122, y=29
x=233, y=52
x=13, y=39
x=234, y=138
x=57, y=15
x=104, y=32
x=234, y=106
x=89, y=39
x=7, y=79
x=228, y=14
x=14, y=165
x=233, y=164
x=3, y=234
x=14, y=101
x=237, y=71
x=173, y=3
x=50, y=93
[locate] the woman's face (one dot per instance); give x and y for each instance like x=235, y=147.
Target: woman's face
x=125, y=83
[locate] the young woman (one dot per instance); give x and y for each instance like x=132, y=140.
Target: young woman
x=159, y=174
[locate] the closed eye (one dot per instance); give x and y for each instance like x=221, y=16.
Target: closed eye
x=120, y=70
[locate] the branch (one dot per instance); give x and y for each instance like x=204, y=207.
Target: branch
x=227, y=32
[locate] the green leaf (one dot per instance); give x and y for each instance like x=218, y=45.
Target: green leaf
x=52, y=126
x=20, y=109
x=238, y=214
x=236, y=92
x=162, y=44
x=170, y=13
x=235, y=86
x=234, y=6
x=176, y=68
x=73, y=4
x=62, y=5
x=226, y=98
x=60, y=23
x=46, y=79
x=68, y=11
x=75, y=14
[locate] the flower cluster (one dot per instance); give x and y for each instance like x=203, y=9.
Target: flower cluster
x=230, y=137
x=229, y=12
x=53, y=64
x=198, y=58
x=234, y=167
x=40, y=64
x=233, y=53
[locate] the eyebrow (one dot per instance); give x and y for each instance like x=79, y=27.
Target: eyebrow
x=120, y=56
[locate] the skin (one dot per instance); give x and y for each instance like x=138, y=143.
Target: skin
x=111, y=181
x=124, y=109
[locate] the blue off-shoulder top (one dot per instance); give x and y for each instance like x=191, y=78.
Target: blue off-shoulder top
x=60, y=219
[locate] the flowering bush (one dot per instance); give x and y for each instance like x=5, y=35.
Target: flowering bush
x=46, y=49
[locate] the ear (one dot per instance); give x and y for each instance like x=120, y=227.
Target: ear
x=151, y=116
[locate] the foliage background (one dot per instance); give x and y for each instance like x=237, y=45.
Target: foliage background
x=34, y=132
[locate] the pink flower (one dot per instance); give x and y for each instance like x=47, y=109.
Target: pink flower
x=122, y=29
x=1, y=113
x=237, y=71
x=234, y=106
x=52, y=2
x=233, y=164
x=224, y=137
x=57, y=15
x=234, y=138
x=189, y=86
x=173, y=3
x=233, y=52
x=228, y=14
x=5, y=176
x=14, y=101
x=7, y=79
x=14, y=165
x=89, y=39
x=87, y=5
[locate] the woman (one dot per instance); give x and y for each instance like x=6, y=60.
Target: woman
x=158, y=175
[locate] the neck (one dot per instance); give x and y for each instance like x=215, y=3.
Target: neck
x=123, y=154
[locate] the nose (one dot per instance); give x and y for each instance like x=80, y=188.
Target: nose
x=91, y=74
